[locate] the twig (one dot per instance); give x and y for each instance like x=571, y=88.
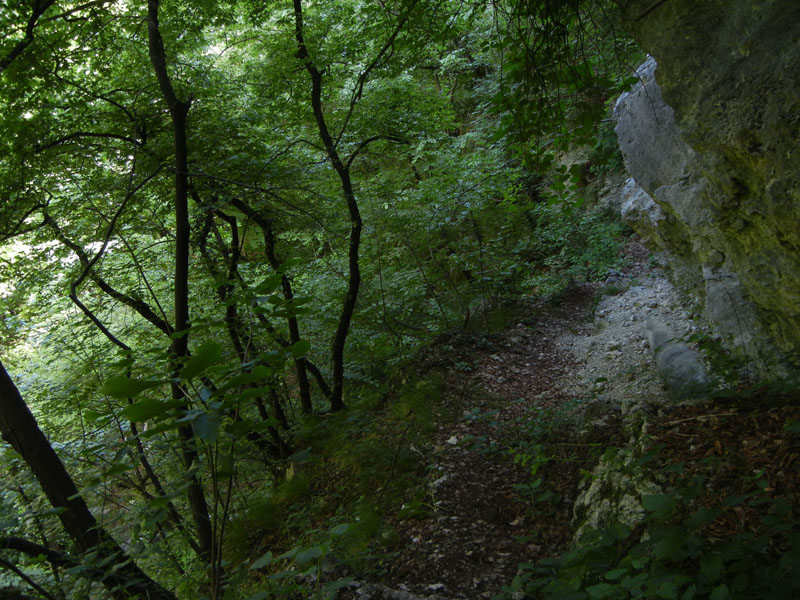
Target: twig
x=700, y=417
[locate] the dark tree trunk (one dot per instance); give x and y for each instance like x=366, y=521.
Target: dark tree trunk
x=19, y=428
x=343, y=170
x=179, y=110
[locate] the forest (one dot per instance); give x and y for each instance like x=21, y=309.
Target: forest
x=240, y=244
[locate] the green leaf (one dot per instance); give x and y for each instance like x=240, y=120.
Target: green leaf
x=155, y=518
x=602, y=590
x=225, y=465
x=721, y=592
x=269, y=284
x=52, y=511
x=306, y=556
x=334, y=586
x=262, y=561
x=207, y=354
x=206, y=426
x=240, y=429
x=615, y=574
x=301, y=456
x=117, y=469
x=669, y=542
x=290, y=263
x=251, y=393
x=300, y=349
x=792, y=426
x=160, y=428
x=619, y=531
x=148, y=408
x=258, y=373
x=690, y=593
x=669, y=590
x=339, y=529
x=120, y=386
x=711, y=566
x=703, y=516
x=735, y=500
x=659, y=504
x=92, y=415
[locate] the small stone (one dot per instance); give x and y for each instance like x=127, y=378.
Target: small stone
x=435, y=587
x=453, y=440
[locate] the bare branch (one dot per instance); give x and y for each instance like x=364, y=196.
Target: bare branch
x=89, y=134
x=358, y=90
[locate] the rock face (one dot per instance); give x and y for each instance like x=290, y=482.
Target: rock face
x=714, y=151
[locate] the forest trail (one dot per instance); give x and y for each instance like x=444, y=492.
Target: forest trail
x=583, y=354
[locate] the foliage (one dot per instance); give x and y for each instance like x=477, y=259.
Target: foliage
x=183, y=291
x=571, y=244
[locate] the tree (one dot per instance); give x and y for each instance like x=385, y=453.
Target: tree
x=219, y=218
x=108, y=563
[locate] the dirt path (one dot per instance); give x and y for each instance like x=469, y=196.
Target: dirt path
x=475, y=525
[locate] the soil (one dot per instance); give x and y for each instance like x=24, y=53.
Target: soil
x=483, y=516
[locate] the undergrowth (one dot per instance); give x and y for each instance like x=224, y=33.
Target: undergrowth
x=724, y=525
x=329, y=514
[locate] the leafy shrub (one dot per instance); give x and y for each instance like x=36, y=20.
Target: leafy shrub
x=570, y=243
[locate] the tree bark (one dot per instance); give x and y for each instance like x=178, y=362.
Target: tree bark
x=19, y=428
x=179, y=110
x=356, y=224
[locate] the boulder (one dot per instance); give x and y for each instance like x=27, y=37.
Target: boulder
x=679, y=365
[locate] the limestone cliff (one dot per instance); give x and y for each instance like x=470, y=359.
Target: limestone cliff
x=718, y=159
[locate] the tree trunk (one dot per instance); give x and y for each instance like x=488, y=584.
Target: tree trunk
x=286, y=285
x=19, y=428
x=179, y=110
x=343, y=170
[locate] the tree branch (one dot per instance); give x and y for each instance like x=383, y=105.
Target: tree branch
x=84, y=134
x=367, y=142
x=362, y=78
x=140, y=306
x=39, y=9
x=33, y=550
